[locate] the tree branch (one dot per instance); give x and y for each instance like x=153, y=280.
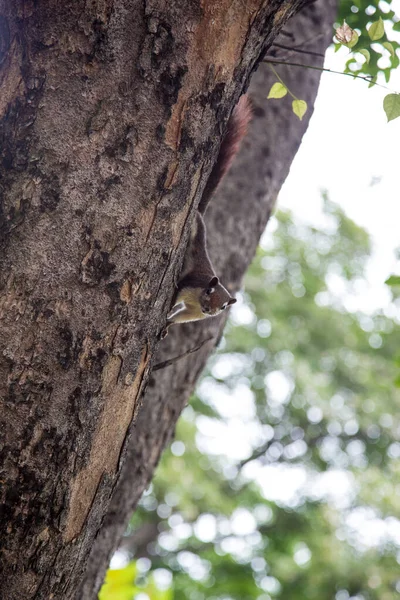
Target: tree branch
x=170, y=361
x=293, y=64
x=297, y=49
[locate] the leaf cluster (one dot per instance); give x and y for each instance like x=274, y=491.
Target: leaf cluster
x=363, y=30
x=371, y=21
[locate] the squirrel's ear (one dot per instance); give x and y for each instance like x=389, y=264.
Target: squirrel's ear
x=231, y=301
x=213, y=282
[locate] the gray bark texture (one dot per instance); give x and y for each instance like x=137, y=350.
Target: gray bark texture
x=111, y=113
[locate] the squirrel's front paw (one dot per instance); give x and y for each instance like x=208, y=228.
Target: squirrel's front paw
x=164, y=332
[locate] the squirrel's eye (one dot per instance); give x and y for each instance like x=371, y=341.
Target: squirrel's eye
x=223, y=307
x=209, y=291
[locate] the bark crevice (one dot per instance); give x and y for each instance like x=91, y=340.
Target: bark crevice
x=110, y=120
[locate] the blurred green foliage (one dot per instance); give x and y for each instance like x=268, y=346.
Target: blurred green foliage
x=126, y=584
x=301, y=390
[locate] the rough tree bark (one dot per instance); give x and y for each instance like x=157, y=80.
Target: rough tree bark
x=111, y=114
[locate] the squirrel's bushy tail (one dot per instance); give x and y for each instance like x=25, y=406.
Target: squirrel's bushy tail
x=235, y=132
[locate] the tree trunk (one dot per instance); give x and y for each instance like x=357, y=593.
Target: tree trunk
x=111, y=114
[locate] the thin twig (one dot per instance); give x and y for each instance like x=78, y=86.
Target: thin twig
x=256, y=454
x=287, y=34
x=279, y=79
x=298, y=50
x=363, y=77
x=170, y=361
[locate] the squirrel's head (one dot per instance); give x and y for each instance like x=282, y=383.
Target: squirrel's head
x=215, y=298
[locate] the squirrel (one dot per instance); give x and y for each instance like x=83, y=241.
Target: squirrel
x=199, y=292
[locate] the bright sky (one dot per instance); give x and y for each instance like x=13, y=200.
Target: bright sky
x=348, y=146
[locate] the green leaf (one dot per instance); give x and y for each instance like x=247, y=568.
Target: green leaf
x=397, y=381
x=373, y=81
x=365, y=54
x=389, y=47
x=391, y=106
x=396, y=26
x=299, y=108
x=377, y=30
x=353, y=41
x=393, y=280
x=278, y=90
x=119, y=583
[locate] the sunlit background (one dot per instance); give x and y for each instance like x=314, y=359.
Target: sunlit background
x=283, y=479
